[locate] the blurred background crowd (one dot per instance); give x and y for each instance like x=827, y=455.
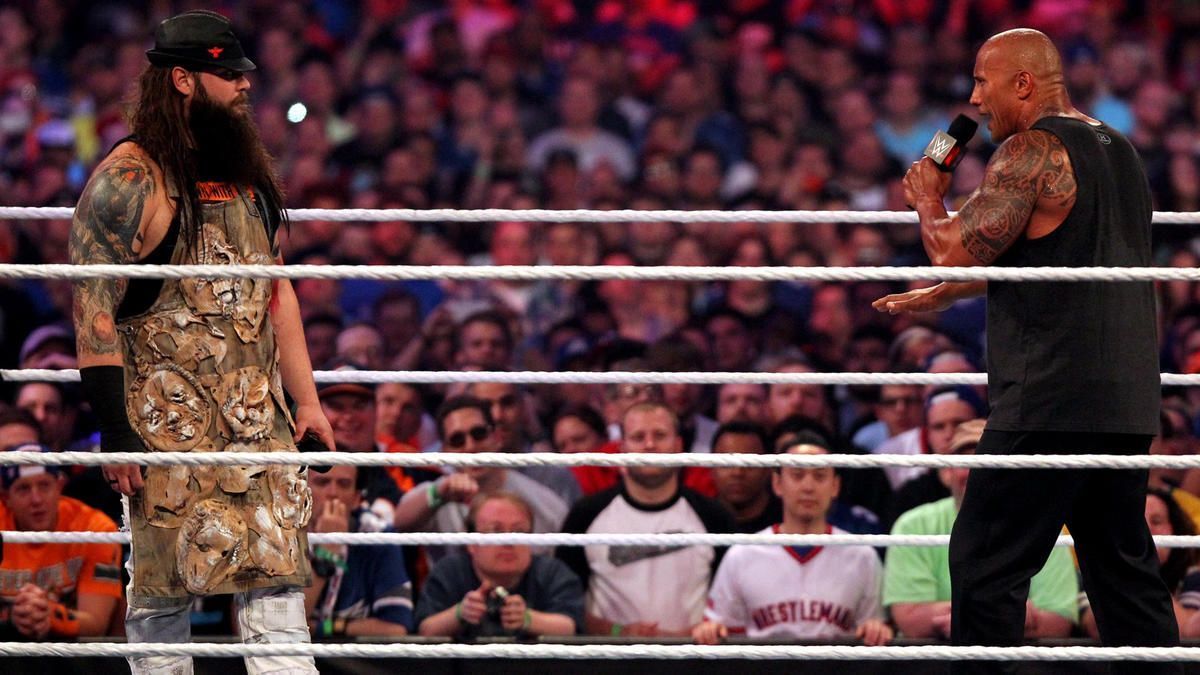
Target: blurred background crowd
x=603, y=104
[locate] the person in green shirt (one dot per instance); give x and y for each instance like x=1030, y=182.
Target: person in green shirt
x=916, y=580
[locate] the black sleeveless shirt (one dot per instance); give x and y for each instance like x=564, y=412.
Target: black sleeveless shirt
x=1080, y=356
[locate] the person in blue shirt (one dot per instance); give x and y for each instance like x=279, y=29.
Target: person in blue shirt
x=356, y=590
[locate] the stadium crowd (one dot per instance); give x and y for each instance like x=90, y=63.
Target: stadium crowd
x=765, y=104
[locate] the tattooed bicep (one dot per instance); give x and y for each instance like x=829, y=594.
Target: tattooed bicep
x=108, y=218
x=1025, y=167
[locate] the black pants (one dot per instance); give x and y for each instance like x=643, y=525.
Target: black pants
x=1006, y=529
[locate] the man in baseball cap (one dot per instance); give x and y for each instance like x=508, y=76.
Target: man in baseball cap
x=62, y=591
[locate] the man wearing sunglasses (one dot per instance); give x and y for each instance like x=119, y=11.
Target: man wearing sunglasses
x=465, y=424
x=511, y=415
x=198, y=363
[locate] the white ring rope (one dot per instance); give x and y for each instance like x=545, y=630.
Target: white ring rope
x=514, y=460
x=577, y=215
x=615, y=377
x=586, y=377
x=657, y=539
x=594, y=272
x=578, y=651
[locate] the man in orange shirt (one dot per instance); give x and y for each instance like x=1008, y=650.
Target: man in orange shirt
x=53, y=590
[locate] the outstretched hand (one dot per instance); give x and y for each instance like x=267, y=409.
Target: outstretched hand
x=932, y=299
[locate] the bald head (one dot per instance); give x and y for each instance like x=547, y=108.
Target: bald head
x=1018, y=80
x=1024, y=50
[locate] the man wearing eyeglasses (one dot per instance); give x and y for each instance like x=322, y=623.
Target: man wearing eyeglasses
x=465, y=424
x=900, y=407
x=502, y=589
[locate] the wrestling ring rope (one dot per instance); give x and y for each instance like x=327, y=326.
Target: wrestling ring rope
x=619, y=651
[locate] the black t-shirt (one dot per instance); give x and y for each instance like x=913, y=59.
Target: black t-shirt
x=771, y=515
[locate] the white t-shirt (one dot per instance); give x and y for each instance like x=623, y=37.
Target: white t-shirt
x=666, y=585
x=774, y=591
x=904, y=443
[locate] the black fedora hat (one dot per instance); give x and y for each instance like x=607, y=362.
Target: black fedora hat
x=200, y=40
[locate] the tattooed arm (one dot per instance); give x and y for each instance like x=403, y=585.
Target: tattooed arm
x=1029, y=172
x=112, y=219
x=117, y=203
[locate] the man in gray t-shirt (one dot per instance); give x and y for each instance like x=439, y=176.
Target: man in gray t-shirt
x=465, y=425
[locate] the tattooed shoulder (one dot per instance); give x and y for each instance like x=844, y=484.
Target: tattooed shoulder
x=1026, y=167
x=108, y=218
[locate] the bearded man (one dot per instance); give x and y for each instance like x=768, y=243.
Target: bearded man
x=198, y=364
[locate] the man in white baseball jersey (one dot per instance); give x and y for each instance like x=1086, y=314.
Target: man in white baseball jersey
x=804, y=592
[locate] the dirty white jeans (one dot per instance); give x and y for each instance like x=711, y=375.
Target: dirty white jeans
x=264, y=616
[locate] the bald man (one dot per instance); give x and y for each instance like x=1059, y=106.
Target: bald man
x=1073, y=367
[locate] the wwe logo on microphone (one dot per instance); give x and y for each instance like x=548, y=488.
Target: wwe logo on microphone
x=940, y=148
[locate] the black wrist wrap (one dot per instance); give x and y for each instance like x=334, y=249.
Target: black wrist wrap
x=104, y=387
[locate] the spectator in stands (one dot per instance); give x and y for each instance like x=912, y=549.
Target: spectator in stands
x=401, y=417
x=579, y=428
x=361, y=343
x=57, y=591
x=675, y=353
x=500, y=589
x=18, y=427
x=801, y=592
x=732, y=340
x=900, y=407
x=484, y=340
x=512, y=418
x=397, y=315
x=320, y=335
x=945, y=409
x=745, y=491
x=786, y=400
x=350, y=408
x=356, y=590
x=916, y=581
x=50, y=346
x=48, y=404
x=860, y=492
x=465, y=424
x=579, y=111
x=742, y=403
x=635, y=590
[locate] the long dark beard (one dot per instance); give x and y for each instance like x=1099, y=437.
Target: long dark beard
x=227, y=148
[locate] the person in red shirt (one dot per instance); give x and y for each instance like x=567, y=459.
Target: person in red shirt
x=53, y=590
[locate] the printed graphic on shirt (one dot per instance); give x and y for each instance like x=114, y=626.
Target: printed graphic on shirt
x=213, y=193
x=803, y=611
x=624, y=555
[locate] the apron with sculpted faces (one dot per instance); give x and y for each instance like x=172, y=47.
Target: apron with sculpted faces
x=201, y=374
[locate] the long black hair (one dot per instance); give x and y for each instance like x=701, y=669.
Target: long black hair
x=158, y=119
x=1180, y=560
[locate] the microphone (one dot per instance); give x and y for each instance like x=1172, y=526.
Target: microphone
x=946, y=148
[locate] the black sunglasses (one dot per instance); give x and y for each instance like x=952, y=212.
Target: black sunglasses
x=459, y=438
x=227, y=74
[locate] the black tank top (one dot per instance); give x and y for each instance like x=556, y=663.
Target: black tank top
x=1080, y=356
x=140, y=294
